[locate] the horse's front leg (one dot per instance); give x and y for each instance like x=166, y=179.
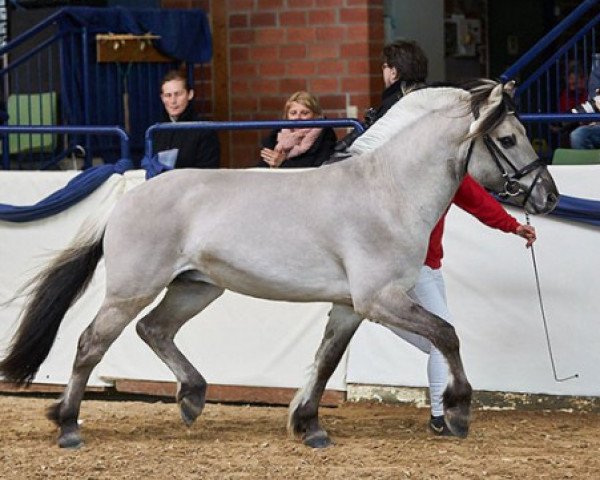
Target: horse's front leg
x=303, y=417
x=394, y=308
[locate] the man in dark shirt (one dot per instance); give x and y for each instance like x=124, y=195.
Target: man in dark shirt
x=195, y=148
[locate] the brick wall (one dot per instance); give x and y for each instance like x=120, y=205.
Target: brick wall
x=275, y=47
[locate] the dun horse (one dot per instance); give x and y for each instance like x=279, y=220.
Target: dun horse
x=352, y=233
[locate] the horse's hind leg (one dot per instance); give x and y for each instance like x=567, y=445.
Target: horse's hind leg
x=93, y=343
x=183, y=300
x=303, y=419
x=394, y=308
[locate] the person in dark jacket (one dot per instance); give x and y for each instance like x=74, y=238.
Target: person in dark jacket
x=404, y=68
x=298, y=147
x=194, y=148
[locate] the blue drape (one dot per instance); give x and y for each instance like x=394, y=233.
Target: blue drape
x=74, y=191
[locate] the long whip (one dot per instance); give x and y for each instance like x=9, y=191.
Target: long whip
x=539, y=291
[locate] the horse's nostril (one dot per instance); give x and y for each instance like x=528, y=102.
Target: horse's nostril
x=552, y=198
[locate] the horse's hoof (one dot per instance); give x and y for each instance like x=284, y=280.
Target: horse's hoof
x=317, y=440
x=190, y=409
x=70, y=441
x=458, y=422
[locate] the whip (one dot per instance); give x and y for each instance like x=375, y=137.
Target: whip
x=539, y=291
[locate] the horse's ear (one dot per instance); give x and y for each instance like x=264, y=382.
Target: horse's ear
x=509, y=88
x=493, y=102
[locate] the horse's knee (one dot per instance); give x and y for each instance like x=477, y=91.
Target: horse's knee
x=445, y=337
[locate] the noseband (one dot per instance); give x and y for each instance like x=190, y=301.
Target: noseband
x=512, y=187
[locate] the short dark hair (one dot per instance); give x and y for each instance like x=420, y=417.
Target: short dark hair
x=408, y=58
x=176, y=75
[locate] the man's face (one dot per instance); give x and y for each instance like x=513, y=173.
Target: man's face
x=175, y=97
x=390, y=74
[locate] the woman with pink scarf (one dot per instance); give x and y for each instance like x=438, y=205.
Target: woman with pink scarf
x=298, y=147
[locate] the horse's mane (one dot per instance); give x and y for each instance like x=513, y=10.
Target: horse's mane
x=410, y=109
x=465, y=98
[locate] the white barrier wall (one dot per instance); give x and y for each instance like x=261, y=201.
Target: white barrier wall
x=244, y=341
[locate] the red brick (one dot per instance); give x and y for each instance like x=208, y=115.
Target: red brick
x=262, y=85
x=331, y=67
x=287, y=86
x=320, y=51
x=262, y=53
x=303, y=4
x=244, y=103
x=245, y=69
x=333, y=102
x=239, y=86
x=301, y=35
x=354, y=50
x=269, y=36
x=240, y=5
x=292, y=51
x=354, y=15
x=333, y=34
x=323, y=85
x=295, y=18
x=364, y=3
x=271, y=69
x=300, y=68
x=239, y=54
x=272, y=104
x=263, y=19
x=270, y=4
x=330, y=3
x=322, y=17
x=355, y=84
x=242, y=37
x=238, y=21
x=360, y=66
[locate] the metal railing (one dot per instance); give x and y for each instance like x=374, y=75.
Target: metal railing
x=248, y=125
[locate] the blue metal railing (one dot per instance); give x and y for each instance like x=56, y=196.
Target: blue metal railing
x=248, y=125
x=547, y=90
x=73, y=129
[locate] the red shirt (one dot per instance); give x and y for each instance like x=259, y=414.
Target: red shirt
x=474, y=199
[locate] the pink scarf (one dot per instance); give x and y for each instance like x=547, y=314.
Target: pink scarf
x=296, y=142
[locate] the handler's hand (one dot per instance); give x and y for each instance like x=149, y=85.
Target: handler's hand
x=528, y=233
x=272, y=157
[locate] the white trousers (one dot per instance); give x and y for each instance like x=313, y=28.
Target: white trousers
x=430, y=293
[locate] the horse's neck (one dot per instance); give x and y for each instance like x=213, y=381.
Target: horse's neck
x=427, y=165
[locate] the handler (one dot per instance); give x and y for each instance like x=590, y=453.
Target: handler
x=405, y=70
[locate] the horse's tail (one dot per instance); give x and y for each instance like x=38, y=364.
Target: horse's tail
x=51, y=292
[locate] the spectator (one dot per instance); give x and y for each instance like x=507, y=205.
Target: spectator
x=192, y=148
x=575, y=92
x=298, y=147
x=586, y=137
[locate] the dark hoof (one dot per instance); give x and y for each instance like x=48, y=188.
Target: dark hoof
x=317, y=440
x=190, y=408
x=458, y=421
x=71, y=441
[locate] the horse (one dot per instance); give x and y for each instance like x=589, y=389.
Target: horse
x=352, y=233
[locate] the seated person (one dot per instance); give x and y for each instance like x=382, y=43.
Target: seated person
x=298, y=147
x=196, y=148
x=587, y=137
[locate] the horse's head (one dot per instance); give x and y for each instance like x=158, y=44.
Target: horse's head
x=501, y=156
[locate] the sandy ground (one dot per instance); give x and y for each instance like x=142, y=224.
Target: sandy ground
x=143, y=440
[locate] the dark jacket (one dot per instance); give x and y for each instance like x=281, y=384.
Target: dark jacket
x=313, y=157
x=389, y=97
x=197, y=148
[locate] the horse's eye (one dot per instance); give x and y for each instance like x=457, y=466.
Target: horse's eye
x=508, y=141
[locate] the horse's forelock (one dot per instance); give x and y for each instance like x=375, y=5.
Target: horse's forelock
x=480, y=92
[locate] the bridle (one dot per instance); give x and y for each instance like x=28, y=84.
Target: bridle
x=512, y=187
